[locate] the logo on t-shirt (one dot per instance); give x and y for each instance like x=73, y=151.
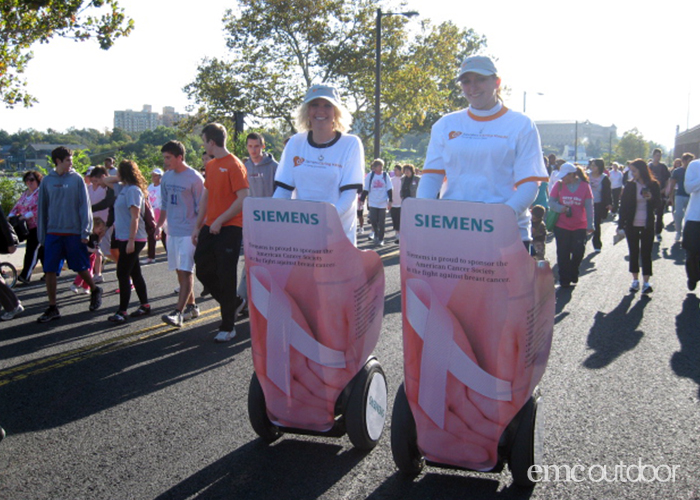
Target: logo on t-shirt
x=454, y=134
x=298, y=160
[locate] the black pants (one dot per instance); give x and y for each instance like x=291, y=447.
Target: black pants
x=691, y=244
x=152, y=243
x=377, y=217
x=616, y=199
x=8, y=299
x=660, y=215
x=128, y=266
x=599, y=213
x=216, y=260
x=395, y=213
x=640, y=241
x=33, y=253
x=571, y=246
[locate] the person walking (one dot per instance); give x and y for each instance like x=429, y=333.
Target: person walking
x=395, y=211
x=679, y=196
x=616, y=183
x=130, y=235
x=602, y=199
x=8, y=244
x=218, y=230
x=691, y=230
x=64, y=225
x=661, y=174
x=572, y=198
x=409, y=182
x=26, y=209
x=155, y=201
x=639, y=204
x=379, y=192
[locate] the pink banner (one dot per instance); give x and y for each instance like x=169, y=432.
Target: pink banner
x=316, y=307
x=478, y=317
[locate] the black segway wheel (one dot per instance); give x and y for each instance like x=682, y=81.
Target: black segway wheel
x=257, y=412
x=404, y=438
x=8, y=273
x=365, y=413
x=526, y=447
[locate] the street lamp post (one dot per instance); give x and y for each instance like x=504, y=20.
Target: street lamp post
x=377, y=75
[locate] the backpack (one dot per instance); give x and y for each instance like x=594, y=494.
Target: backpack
x=149, y=218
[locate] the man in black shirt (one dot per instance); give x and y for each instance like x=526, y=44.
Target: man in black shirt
x=662, y=174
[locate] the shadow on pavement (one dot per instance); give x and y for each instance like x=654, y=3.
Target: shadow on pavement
x=685, y=362
x=615, y=333
x=455, y=486
x=88, y=381
x=675, y=253
x=287, y=469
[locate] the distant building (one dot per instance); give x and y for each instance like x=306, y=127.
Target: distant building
x=558, y=135
x=687, y=142
x=146, y=119
x=39, y=155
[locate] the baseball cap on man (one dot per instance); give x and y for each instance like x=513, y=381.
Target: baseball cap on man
x=323, y=91
x=157, y=171
x=481, y=65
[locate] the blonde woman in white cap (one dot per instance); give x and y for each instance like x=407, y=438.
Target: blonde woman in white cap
x=572, y=198
x=487, y=152
x=310, y=161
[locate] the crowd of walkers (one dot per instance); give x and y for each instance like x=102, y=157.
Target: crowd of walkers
x=637, y=195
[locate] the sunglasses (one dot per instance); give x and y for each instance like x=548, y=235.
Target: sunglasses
x=30, y=179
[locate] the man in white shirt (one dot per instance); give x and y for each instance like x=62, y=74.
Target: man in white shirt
x=395, y=211
x=378, y=192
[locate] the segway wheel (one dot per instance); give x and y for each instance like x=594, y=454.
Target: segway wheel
x=8, y=273
x=365, y=413
x=404, y=438
x=257, y=413
x=526, y=448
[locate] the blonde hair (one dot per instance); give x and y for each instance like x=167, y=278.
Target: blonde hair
x=341, y=122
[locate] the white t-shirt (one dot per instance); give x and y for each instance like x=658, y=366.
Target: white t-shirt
x=396, y=191
x=378, y=196
x=615, y=179
x=485, y=158
x=321, y=172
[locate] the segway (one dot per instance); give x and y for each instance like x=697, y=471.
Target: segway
x=478, y=318
x=316, y=304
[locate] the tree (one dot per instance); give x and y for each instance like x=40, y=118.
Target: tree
x=23, y=23
x=632, y=146
x=278, y=52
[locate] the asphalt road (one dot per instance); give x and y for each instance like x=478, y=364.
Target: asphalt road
x=144, y=411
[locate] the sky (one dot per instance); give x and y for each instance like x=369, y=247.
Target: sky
x=631, y=64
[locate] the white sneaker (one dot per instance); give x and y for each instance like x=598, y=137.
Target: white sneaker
x=634, y=287
x=360, y=230
x=98, y=279
x=11, y=314
x=191, y=312
x=147, y=261
x=224, y=336
x=371, y=235
x=678, y=236
x=74, y=288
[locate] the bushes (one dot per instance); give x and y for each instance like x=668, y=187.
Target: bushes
x=10, y=190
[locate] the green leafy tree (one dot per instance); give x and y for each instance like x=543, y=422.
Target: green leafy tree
x=24, y=23
x=278, y=52
x=632, y=146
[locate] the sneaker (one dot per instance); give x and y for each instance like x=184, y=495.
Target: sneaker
x=634, y=287
x=174, y=318
x=23, y=280
x=647, y=289
x=360, y=230
x=177, y=291
x=98, y=279
x=11, y=314
x=146, y=261
x=658, y=238
x=371, y=235
x=692, y=284
x=50, y=314
x=118, y=317
x=74, y=288
x=678, y=237
x=191, y=312
x=224, y=336
x=143, y=310
x=96, y=298
x=380, y=243
x=240, y=305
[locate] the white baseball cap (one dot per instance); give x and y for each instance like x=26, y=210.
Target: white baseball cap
x=480, y=65
x=323, y=91
x=157, y=171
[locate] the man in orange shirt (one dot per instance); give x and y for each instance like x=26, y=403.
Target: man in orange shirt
x=219, y=229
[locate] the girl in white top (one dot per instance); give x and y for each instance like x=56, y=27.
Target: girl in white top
x=487, y=153
x=322, y=163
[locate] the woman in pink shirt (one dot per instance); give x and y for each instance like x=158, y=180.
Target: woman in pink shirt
x=26, y=208
x=572, y=198
x=640, y=199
